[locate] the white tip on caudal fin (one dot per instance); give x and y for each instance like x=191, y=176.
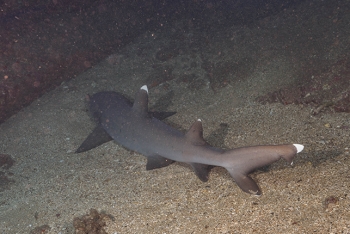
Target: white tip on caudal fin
x=145, y=88
x=299, y=147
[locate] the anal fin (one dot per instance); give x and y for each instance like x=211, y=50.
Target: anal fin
x=96, y=138
x=156, y=161
x=201, y=170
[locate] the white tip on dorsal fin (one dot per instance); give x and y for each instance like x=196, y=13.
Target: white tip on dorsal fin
x=199, y=120
x=145, y=88
x=299, y=147
x=141, y=101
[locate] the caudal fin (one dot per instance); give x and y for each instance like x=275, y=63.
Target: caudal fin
x=247, y=159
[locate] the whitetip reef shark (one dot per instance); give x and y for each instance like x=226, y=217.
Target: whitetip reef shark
x=134, y=127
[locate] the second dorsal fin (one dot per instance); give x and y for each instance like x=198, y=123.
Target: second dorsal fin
x=195, y=133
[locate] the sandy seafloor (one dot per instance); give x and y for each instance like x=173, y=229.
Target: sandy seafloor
x=52, y=185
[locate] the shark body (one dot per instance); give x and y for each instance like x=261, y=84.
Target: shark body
x=131, y=125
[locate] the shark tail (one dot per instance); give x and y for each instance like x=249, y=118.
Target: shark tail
x=248, y=159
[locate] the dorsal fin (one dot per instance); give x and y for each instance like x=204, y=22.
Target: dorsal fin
x=195, y=133
x=141, y=101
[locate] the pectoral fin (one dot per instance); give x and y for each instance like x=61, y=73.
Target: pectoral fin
x=96, y=138
x=162, y=115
